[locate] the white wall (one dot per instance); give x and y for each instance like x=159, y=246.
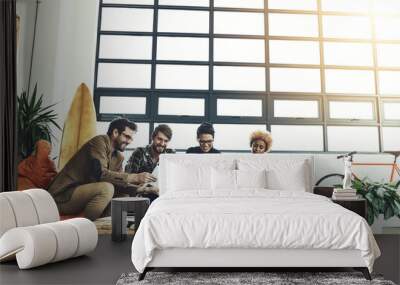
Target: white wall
x=64, y=56
x=64, y=53
x=26, y=11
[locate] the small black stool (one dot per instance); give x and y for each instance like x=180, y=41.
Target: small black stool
x=119, y=213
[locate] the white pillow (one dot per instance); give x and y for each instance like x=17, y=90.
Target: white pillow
x=199, y=160
x=251, y=178
x=183, y=177
x=291, y=178
x=282, y=174
x=223, y=179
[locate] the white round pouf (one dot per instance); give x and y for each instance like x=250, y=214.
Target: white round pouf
x=23, y=208
x=87, y=234
x=7, y=216
x=45, y=206
x=67, y=240
x=33, y=246
x=31, y=232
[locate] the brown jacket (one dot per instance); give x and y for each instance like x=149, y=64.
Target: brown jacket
x=94, y=162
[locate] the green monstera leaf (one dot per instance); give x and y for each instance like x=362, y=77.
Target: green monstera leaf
x=382, y=198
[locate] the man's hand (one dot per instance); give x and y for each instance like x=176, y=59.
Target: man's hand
x=147, y=188
x=141, y=178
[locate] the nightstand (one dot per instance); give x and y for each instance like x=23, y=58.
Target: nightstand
x=357, y=205
x=323, y=191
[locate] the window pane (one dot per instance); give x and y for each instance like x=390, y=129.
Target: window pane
x=389, y=82
x=130, y=20
x=345, y=5
x=346, y=27
x=183, y=21
x=174, y=48
x=234, y=137
x=294, y=52
x=140, y=138
x=183, y=135
x=293, y=25
x=239, y=107
x=121, y=75
x=102, y=127
x=125, y=47
x=292, y=5
x=181, y=77
x=181, y=106
x=239, y=50
x=239, y=78
x=386, y=6
x=343, y=138
x=387, y=28
x=391, y=138
x=239, y=23
x=388, y=55
x=302, y=138
x=185, y=2
x=301, y=80
x=145, y=2
x=296, y=109
x=122, y=105
x=256, y=4
x=391, y=110
x=349, y=81
x=351, y=110
x=348, y=54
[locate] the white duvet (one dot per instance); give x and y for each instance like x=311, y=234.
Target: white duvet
x=250, y=219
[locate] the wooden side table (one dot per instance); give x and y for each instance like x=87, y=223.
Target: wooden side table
x=357, y=205
x=119, y=213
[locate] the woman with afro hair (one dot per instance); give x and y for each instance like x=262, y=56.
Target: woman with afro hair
x=260, y=142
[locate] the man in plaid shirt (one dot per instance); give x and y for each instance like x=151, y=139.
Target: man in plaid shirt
x=145, y=159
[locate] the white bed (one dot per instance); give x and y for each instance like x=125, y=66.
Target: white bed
x=230, y=221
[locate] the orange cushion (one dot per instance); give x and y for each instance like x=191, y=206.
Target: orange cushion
x=37, y=170
x=67, y=217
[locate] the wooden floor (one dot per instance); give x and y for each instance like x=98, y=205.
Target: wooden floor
x=110, y=259
x=389, y=263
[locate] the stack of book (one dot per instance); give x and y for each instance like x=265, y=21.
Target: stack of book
x=344, y=194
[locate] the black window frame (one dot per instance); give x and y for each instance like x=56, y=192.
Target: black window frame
x=267, y=97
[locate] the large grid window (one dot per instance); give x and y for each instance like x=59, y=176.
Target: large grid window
x=321, y=75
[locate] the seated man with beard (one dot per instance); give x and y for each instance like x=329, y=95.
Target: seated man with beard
x=87, y=182
x=145, y=159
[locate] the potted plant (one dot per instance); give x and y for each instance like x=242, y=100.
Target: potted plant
x=382, y=198
x=33, y=122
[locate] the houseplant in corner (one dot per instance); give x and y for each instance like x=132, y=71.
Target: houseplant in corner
x=33, y=122
x=382, y=198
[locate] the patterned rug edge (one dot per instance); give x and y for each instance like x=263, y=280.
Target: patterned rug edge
x=268, y=278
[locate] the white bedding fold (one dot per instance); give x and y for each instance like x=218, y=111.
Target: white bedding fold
x=250, y=219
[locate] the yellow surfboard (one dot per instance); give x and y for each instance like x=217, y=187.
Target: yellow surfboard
x=79, y=126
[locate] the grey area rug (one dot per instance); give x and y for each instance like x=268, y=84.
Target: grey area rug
x=273, y=278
